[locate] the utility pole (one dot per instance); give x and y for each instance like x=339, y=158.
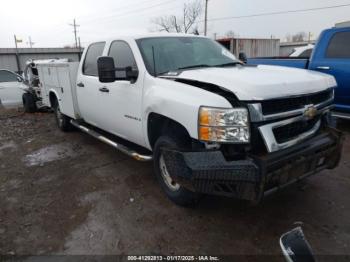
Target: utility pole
x=206, y=18
x=310, y=36
x=17, y=54
x=75, y=32
x=30, y=43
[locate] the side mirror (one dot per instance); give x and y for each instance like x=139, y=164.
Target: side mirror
x=106, y=69
x=295, y=247
x=243, y=57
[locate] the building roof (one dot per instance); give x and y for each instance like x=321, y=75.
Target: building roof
x=39, y=50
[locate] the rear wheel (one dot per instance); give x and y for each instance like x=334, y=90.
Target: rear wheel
x=63, y=121
x=175, y=192
x=29, y=103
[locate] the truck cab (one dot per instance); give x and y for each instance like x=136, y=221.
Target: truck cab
x=211, y=124
x=331, y=55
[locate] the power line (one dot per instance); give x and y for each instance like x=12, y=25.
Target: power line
x=116, y=10
x=130, y=12
x=277, y=13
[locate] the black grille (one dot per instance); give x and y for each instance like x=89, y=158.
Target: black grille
x=288, y=104
x=288, y=132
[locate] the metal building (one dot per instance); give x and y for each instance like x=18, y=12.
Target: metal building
x=252, y=47
x=15, y=61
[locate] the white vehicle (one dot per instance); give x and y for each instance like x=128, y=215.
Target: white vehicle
x=11, y=88
x=211, y=124
x=303, y=52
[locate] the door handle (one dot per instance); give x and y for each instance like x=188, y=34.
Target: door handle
x=323, y=67
x=81, y=84
x=104, y=89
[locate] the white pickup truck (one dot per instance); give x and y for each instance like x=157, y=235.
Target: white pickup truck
x=211, y=124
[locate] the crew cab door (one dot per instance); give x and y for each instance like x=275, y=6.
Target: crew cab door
x=332, y=56
x=122, y=100
x=88, y=94
x=10, y=88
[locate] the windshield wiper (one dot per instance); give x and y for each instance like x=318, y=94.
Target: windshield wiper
x=198, y=66
x=229, y=64
x=195, y=66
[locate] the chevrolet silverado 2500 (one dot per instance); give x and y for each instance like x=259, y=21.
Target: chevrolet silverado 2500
x=210, y=124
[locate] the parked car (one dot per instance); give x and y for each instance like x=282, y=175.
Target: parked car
x=331, y=55
x=211, y=124
x=303, y=52
x=11, y=88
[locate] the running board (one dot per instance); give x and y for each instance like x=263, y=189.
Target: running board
x=341, y=115
x=107, y=141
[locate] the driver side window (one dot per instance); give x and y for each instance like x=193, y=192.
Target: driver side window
x=123, y=57
x=6, y=76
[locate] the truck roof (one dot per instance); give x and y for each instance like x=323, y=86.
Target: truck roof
x=146, y=35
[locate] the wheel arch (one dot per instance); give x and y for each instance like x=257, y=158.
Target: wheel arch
x=53, y=96
x=158, y=125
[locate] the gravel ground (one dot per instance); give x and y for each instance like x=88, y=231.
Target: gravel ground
x=70, y=194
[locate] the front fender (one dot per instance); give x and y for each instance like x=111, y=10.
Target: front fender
x=177, y=101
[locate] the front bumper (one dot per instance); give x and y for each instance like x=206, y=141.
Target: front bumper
x=208, y=172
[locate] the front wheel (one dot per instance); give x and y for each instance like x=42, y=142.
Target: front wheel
x=175, y=192
x=63, y=121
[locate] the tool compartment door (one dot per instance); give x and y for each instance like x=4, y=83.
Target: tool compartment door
x=65, y=90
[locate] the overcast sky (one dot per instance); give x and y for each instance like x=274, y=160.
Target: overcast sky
x=47, y=21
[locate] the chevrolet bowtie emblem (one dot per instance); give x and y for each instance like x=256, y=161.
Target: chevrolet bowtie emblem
x=311, y=112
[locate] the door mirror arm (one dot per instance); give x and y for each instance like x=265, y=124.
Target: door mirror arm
x=131, y=74
x=243, y=57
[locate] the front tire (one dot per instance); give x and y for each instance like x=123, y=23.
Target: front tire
x=174, y=191
x=63, y=121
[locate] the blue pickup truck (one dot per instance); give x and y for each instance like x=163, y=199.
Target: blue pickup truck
x=331, y=55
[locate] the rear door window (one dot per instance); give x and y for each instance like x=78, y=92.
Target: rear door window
x=6, y=76
x=339, y=46
x=90, y=64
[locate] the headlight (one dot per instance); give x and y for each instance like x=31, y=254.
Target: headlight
x=224, y=125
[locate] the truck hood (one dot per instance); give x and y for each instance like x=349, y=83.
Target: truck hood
x=261, y=82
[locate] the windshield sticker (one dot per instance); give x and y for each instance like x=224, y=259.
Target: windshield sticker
x=228, y=54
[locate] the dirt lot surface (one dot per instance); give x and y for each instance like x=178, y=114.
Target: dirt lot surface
x=70, y=194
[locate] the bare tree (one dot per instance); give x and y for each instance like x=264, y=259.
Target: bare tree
x=299, y=37
x=185, y=23
x=230, y=34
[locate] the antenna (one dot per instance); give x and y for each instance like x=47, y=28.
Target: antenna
x=154, y=62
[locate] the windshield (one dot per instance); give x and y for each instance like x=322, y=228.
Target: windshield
x=168, y=54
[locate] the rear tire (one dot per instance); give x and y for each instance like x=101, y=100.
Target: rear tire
x=29, y=103
x=63, y=121
x=174, y=191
